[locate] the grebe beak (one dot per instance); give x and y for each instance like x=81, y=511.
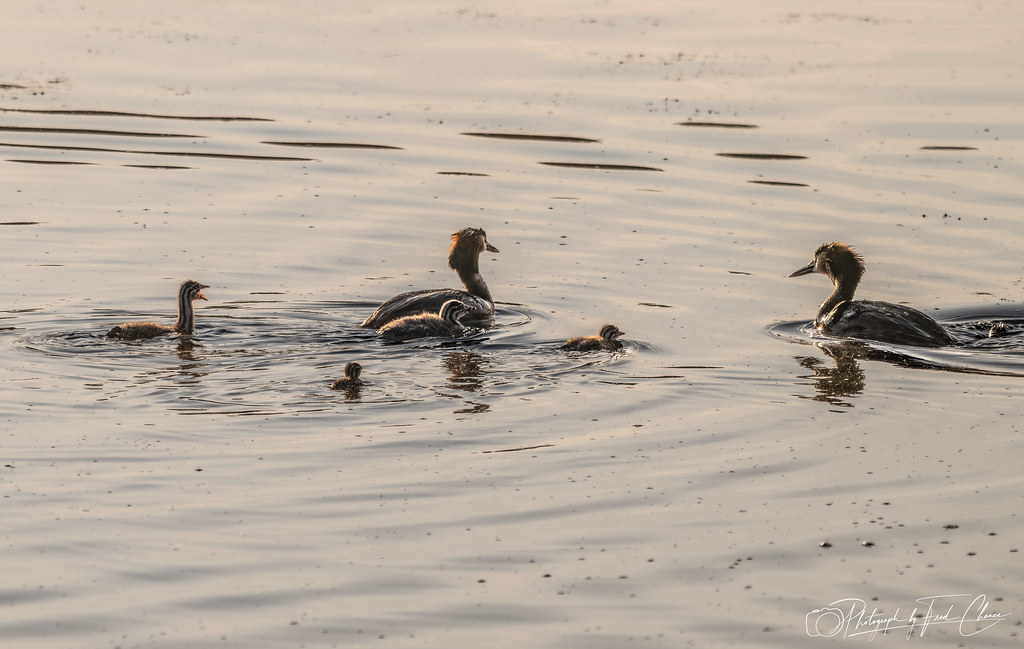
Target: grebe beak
x=806, y=270
x=491, y=248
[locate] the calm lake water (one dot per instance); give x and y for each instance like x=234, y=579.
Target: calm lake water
x=729, y=478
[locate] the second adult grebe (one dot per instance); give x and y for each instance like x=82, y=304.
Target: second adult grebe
x=841, y=315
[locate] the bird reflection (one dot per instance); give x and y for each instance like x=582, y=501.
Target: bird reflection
x=466, y=376
x=834, y=384
x=353, y=393
x=465, y=369
x=473, y=408
x=191, y=362
x=185, y=347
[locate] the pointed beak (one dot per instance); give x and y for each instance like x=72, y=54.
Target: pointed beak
x=201, y=296
x=491, y=248
x=806, y=270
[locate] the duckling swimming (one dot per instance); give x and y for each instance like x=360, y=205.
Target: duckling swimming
x=464, y=258
x=351, y=380
x=606, y=340
x=998, y=330
x=188, y=292
x=446, y=322
x=841, y=315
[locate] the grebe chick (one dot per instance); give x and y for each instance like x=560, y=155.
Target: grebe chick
x=606, y=340
x=998, y=330
x=446, y=322
x=841, y=315
x=188, y=292
x=464, y=258
x=351, y=380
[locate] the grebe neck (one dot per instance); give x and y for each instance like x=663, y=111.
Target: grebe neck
x=464, y=259
x=475, y=284
x=467, y=265
x=186, y=323
x=843, y=292
x=841, y=264
x=188, y=292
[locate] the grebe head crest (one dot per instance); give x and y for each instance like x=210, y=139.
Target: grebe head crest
x=834, y=260
x=467, y=246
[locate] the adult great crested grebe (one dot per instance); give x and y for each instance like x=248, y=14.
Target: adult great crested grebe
x=607, y=340
x=446, y=322
x=188, y=292
x=464, y=258
x=841, y=315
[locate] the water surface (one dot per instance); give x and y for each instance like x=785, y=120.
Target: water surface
x=657, y=166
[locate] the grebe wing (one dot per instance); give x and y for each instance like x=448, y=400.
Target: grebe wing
x=427, y=301
x=885, y=322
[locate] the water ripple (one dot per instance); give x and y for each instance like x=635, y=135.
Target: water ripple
x=271, y=358
x=990, y=340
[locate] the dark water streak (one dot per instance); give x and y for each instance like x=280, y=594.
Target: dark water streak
x=331, y=145
x=535, y=137
x=601, y=166
x=763, y=156
x=191, y=154
x=113, y=113
x=778, y=183
x=93, y=131
x=716, y=125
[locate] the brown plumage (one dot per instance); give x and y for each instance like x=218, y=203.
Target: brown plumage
x=464, y=258
x=606, y=340
x=188, y=292
x=447, y=322
x=351, y=380
x=840, y=315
